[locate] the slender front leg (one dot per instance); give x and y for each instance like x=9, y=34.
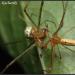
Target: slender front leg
x=40, y=13
x=29, y=17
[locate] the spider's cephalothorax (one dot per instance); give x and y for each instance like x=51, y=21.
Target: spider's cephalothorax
x=55, y=40
x=37, y=34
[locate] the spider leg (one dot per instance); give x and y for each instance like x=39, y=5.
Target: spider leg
x=40, y=13
x=18, y=57
x=29, y=16
x=52, y=58
x=62, y=19
x=60, y=56
x=69, y=49
x=69, y=30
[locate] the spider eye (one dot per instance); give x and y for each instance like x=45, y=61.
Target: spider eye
x=28, y=31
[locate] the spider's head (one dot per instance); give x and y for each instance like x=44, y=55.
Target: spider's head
x=28, y=31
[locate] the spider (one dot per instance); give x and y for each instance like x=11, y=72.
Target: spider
x=39, y=34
